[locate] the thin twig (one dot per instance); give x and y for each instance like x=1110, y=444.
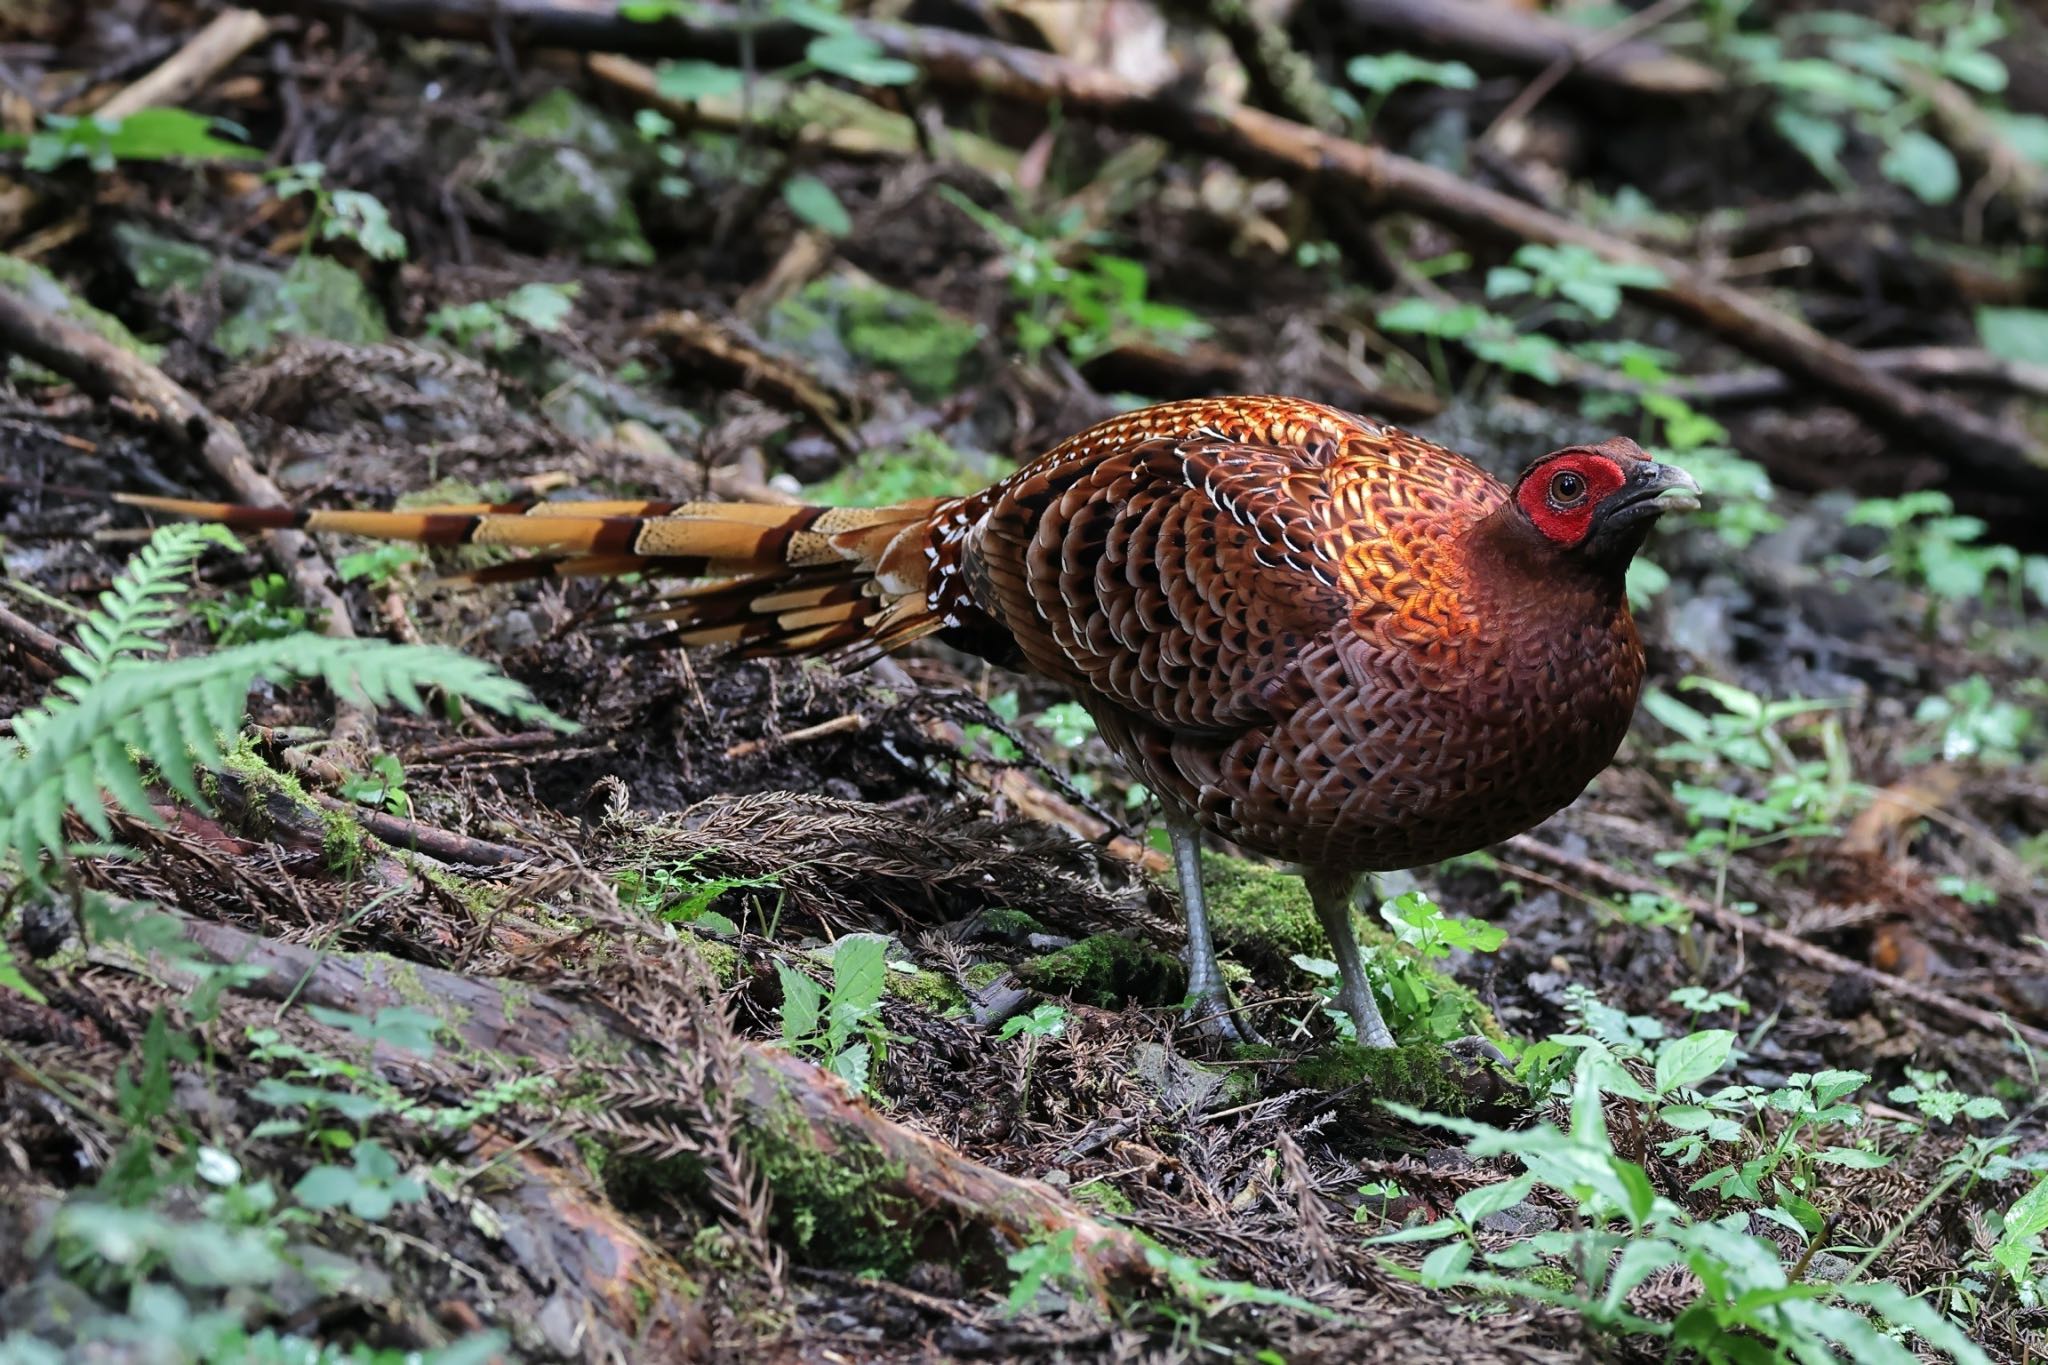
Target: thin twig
x=1789, y=944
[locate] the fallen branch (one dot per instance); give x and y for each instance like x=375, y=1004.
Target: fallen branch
x=42, y=651
x=952, y=1208
x=1265, y=144
x=1789, y=944
x=1501, y=36
x=1952, y=364
x=106, y=370
x=714, y=345
x=209, y=52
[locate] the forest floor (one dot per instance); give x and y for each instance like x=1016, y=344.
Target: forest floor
x=525, y=991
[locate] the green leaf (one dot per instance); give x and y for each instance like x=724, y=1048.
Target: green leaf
x=802, y=1003
x=686, y=81
x=858, y=58
x=398, y=1026
x=1820, y=140
x=1689, y=1060
x=543, y=307
x=2015, y=333
x=860, y=970
x=155, y=134
x=812, y=200
x=1488, y=1200
x=1383, y=73
x=326, y=1187
x=1853, y=1157
x=1923, y=165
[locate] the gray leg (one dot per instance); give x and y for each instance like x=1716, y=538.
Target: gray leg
x=1213, y=1010
x=1333, y=894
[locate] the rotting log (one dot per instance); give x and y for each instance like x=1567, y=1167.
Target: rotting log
x=791, y=1112
x=1265, y=144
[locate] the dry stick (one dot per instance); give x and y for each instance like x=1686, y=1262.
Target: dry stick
x=788, y=1105
x=1587, y=52
x=188, y=70
x=42, y=652
x=1790, y=944
x=1957, y=364
x=1494, y=34
x=1265, y=144
x=100, y=367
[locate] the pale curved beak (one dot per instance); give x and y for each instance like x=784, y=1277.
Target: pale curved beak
x=1664, y=486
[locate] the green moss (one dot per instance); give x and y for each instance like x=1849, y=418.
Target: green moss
x=315, y=296
x=1011, y=926
x=1420, y=1074
x=925, y=466
x=596, y=1046
x=1104, y=1196
x=570, y=171
x=927, y=990
x=43, y=289
x=1107, y=970
x=833, y=1208
x=922, y=343
x=595, y=1154
x=479, y=898
x=341, y=843
x=404, y=979
x=722, y=960
x=982, y=974
x=1262, y=916
x=513, y=997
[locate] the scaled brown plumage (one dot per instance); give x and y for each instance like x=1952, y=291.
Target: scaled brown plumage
x=1324, y=640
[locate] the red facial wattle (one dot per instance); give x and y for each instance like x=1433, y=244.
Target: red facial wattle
x=1562, y=494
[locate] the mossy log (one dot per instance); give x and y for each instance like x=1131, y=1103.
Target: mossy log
x=824, y=1152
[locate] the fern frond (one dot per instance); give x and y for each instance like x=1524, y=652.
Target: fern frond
x=134, y=612
x=81, y=743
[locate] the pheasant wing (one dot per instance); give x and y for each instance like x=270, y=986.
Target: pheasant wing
x=1178, y=575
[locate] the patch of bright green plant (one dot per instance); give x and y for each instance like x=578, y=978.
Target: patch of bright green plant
x=160, y=134
x=1747, y=1304
x=1927, y=542
x=493, y=326
x=837, y=47
x=844, y=1025
x=1832, y=73
x=124, y=703
x=343, y=215
x=266, y=610
x=1766, y=791
x=1087, y=308
x=1972, y=722
x=383, y=785
x=925, y=466
x=1380, y=74
x=676, y=892
x=1411, y=992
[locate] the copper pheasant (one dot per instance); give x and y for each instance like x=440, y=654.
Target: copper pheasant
x=1322, y=639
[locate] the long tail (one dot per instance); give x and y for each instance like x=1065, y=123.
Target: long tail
x=793, y=579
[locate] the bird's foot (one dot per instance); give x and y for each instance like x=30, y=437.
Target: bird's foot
x=1217, y=1019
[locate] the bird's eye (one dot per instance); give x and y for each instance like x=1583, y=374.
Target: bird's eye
x=1567, y=488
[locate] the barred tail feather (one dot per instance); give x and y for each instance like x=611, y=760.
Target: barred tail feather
x=791, y=579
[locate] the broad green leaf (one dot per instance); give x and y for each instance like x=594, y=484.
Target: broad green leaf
x=1689, y=1060
x=812, y=200
x=2015, y=333
x=687, y=81
x=1923, y=165
x=802, y=1000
